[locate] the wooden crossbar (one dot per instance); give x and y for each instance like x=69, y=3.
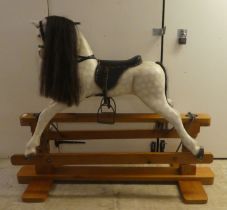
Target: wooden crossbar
x=112, y=134
x=116, y=174
x=114, y=158
x=29, y=118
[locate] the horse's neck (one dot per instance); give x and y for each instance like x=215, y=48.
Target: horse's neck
x=85, y=49
x=87, y=69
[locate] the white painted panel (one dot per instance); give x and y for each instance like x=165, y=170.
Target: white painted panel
x=115, y=29
x=197, y=71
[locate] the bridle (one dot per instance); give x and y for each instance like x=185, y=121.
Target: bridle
x=41, y=30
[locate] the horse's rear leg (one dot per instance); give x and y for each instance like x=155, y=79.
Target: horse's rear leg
x=153, y=95
x=44, y=118
x=163, y=108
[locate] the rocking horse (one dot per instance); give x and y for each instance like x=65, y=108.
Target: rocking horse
x=70, y=73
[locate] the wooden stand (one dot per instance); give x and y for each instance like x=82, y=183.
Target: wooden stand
x=41, y=170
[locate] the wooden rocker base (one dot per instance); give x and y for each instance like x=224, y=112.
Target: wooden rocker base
x=192, y=191
x=45, y=168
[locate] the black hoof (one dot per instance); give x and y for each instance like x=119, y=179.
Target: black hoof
x=200, y=154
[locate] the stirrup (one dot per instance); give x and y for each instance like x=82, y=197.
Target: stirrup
x=106, y=117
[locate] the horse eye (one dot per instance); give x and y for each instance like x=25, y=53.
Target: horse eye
x=39, y=35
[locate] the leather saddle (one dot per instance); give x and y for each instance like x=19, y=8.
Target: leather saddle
x=109, y=71
x=107, y=75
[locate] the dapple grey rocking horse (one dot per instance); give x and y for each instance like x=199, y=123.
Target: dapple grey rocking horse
x=70, y=73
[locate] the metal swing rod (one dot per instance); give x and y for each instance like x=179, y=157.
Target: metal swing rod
x=163, y=28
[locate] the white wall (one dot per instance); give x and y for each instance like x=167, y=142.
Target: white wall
x=194, y=83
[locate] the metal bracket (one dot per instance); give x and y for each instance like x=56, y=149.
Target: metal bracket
x=191, y=116
x=182, y=32
x=159, y=31
x=182, y=36
x=58, y=142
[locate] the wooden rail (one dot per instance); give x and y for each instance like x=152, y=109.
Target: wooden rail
x=29, y=118
x=113, y=158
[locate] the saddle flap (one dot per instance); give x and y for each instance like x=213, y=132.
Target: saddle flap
x=109, y=71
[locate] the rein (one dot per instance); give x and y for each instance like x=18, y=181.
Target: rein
x=84, y=58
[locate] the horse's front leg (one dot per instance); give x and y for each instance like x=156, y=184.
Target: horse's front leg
x=44, y=118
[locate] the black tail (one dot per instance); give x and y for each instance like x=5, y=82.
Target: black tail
x=59, y=71
x=166, y=78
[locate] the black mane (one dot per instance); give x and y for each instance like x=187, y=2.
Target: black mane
x=59, y=78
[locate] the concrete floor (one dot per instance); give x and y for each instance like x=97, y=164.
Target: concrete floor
x=111, y=196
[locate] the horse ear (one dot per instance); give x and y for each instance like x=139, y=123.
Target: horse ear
x=35, y=24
